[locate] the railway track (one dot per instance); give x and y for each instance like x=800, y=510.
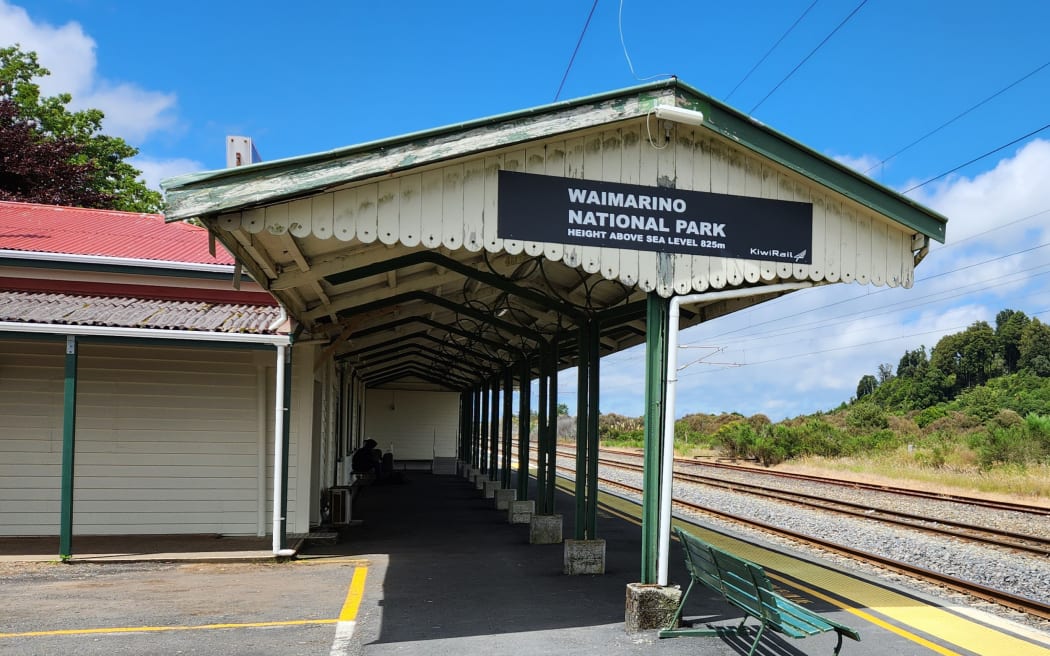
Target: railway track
x=1015, y=602
x=1028, y=544
x=990, y=536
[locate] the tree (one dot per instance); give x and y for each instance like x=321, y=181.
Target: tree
x=885, y=372
x=911, y=362
x=972, y=355
x=52, y=155
x=866, y=386
x=38, y=170
x=1009, y=325
x=1034, y=353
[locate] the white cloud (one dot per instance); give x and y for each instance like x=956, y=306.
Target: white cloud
x=131, y=112
x=155, y=170
x=861, y=164
x=1016, y=188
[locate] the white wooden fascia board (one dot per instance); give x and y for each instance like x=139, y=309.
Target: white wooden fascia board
x=232, y=192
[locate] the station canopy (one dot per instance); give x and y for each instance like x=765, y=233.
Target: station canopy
x=436, y=260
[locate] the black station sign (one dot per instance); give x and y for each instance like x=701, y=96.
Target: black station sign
x=613, y=215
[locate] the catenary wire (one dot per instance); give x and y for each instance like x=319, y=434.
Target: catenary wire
x=811, y=53
x=575, y=50
x=771, y=49
x=977, y=159
x=958, y=116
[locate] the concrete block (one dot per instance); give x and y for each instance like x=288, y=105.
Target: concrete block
x=650, y=606
x=443, y=467
x=545, y=529
x=521, y=511
x=479, y=480
x=489, y=489
x=504, y=497
x=584, y=557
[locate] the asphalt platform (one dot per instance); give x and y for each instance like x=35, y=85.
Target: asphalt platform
x=447, y=574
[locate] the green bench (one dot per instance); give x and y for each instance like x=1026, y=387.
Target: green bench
x=745, y=585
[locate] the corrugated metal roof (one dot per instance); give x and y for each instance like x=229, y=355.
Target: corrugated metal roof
x=106, y=233
x=124, y=312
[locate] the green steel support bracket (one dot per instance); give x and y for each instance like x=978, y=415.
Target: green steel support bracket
x=69, y=428
x=508, y=425
x=656, y=327
x=484, y=423
x=524, y=427
x=541, y=437
x=495, y=441
x=475, y=419
x=582, y=410
x=552, y=425
x=593, y=388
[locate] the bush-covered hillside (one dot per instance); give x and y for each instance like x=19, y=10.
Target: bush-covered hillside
x=979, y=400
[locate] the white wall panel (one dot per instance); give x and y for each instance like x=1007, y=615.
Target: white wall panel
x=167, y=439
x=413, y=425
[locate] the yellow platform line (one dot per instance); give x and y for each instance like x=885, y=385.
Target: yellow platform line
x=155, y=629
x=902, y=610
x=348, y=613
x=354, y=595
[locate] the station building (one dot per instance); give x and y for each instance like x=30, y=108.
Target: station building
x=436, y=283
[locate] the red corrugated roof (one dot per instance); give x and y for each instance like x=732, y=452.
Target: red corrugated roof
x=81, y=231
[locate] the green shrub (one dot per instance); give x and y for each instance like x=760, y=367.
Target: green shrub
x=930, y=415
x=866, y=416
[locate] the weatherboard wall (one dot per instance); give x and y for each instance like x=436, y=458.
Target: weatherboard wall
x=453, y=206
x=169, y=440
x=413, y=425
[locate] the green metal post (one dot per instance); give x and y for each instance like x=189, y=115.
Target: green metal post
x=656, y=326
x=524, y=427
x=508, y=425
x=541, y=438
x=593, y=361
x=69, y=428
x=468, y=428
x=582, y=373
x=495, y=442
x=475, y=429
x=552, y=426
x=285, y=446
x=483, y=455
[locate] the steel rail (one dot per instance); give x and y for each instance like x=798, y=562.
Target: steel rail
x=1015, y=602
x=991, y=536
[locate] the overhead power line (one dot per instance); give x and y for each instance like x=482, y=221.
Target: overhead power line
x=772, y=48
x=811, y=53
x=978, y=158
x=959, y=116
x=575, y=50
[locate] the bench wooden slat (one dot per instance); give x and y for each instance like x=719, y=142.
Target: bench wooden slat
x=744, y=584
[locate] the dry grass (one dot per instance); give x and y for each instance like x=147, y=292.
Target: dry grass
x=957, y=476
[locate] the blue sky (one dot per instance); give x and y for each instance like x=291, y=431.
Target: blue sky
x=175, y=78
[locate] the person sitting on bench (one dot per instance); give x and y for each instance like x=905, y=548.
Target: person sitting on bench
x=368, y=460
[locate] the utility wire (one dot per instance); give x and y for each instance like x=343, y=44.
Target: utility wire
x=811, y=53
x=630, y=64
x=959, y=116
x=771, y=49
x=575, y=50
x=977, y=159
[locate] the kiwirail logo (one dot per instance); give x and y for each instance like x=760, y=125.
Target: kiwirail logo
x=773, y=253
